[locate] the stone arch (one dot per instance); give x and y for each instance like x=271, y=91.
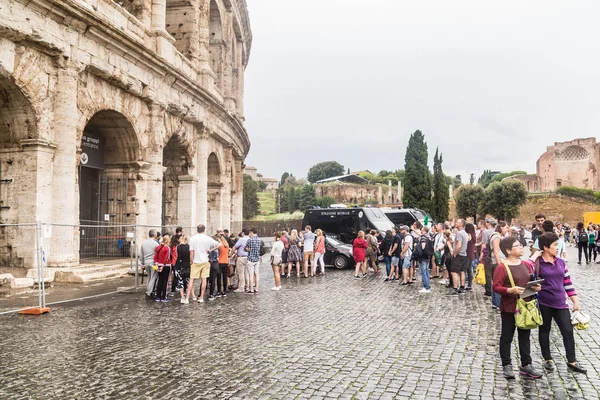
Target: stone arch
x=215, y=188
x=216, y=42
x=177, y=162
x=17, y=116
x=110, y=148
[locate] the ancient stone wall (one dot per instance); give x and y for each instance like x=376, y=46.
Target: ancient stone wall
x=141, y=77
x=572, y=163
x=351, y=193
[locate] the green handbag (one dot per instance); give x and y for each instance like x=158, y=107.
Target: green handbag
x=527, y=313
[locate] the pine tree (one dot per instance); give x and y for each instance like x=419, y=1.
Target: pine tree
x=441, y=192
x=417, y=186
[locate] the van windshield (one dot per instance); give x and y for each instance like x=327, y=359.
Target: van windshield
x=420, y=216
x=378, y=218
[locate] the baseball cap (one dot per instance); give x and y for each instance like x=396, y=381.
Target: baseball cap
x=491, y=221
x=405, y=228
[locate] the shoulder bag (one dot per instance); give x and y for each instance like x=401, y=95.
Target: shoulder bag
x=527, y=313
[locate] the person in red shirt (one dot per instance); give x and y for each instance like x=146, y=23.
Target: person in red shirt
x=522, y=272
x=162, y=258
x=359, y=252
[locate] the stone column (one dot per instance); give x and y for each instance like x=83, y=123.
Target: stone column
x=241, y=70
x=159, y=15
x=229, y=64
x=186, y=201
x=237, y=197
x=207, y=76
x=226, y=190
x=202, y=173
x=150, y=195
x=65, y=190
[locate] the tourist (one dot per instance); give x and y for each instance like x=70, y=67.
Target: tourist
x=406, y=256
x=320, y=251
x=386, y=246
x=241, y=262
x=147, y=251
x=521, y=273
x=593, y=238
x=213, y=258
x=285, y=239
x=276, y=260
x=438, y=251
x=294, y=255
x=447, y=258
x=309, y=250
x=162, y=258
x=182, y=268
x=223, y=263
x=568, y=237
x=200, y=246
x=424, y=252
x=225, y=235
x=556, y=287
x=460, y=262
x=499, y=233
x=486, y=253
x=359, y=247
x=547, y=226
x=394, y=254
x=173, y=246
x=582, y=240
x=372, y=247
x=253, y=246
x=470, y=229
x=416, y=235
x=537, y=229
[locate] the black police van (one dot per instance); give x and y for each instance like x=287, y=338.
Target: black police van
x=346, y=222
x=405, y=216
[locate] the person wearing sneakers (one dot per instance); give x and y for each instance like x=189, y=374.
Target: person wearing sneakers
x=555, y=289
x=241, y=262
x=406, y=255
x=521, y=272
x=424, y=253
x=253, y=246
x=460, y=261
x=200, y=246
x=276, y=260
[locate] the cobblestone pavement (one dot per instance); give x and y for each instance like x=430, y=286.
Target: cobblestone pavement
x=325, y=337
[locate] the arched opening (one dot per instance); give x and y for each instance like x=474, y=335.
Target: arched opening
x=18, y=173
x=181, y=23
x=107, y=189
x=215, y=186
x=216, y=43
x=176, y=162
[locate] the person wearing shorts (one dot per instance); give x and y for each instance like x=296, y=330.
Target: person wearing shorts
x=276, y=260
x=309, y=251
x=200, y=246
x=460, y=261
x=394, y=254
x=406, y=256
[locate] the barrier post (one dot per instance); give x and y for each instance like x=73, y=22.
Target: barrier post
x=41, y=308
x=137, y=261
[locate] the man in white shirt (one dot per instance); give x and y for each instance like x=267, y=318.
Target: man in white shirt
x=200, y=246
x=309, y=251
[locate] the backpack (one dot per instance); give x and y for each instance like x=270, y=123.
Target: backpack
x=489, y=250
x=424, y=253
x=583, y=236
x=263, y=249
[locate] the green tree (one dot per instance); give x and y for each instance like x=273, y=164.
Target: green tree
x=441, y=191
x=291, y=200
x=250, y=199
x=307, y=198
x=472, y=179
x=486, y=178
x=283, y=178
x=325, y=201
x=417, y=185
x=370, y=177
x=324, y=170
x=468, y=200
x=503, y=199
x=499, y=177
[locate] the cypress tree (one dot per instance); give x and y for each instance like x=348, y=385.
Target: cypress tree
x=417, y=180
x=441, y=192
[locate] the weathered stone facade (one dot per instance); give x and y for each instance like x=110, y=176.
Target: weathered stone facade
x=158, y=84
x=572, y=163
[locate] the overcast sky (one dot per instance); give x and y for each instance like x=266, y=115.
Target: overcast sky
x=489, y=83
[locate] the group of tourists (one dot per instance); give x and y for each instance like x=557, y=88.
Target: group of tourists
x=225, y=262
x=453, y=253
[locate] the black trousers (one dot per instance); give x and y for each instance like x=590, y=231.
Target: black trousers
x=562, y=317
x=222, y=278
x=214, y=272
x=487, y=267
x=583, y=247
x=592, y=249
x=506, y=338
x=163, y=280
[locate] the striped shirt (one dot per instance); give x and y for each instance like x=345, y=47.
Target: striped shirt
x=557, y=285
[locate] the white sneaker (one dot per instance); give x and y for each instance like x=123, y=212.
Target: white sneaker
x=238, y=291
x=424, y=291
x=442, y=282
x=185, y=301
x=276, y=288
x=194, y=298
x=371, y=269
x=200, y=300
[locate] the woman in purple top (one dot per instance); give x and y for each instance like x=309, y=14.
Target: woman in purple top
x=557, y=286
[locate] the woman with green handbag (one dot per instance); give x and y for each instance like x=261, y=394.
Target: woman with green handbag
x=557, y=286
x=510, y=279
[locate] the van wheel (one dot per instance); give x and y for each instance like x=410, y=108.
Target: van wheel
x=340, y=262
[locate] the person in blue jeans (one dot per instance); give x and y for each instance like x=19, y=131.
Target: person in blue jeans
x=424, y=258
x=406, y=255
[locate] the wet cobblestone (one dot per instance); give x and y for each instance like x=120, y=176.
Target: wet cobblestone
x=322, y=338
